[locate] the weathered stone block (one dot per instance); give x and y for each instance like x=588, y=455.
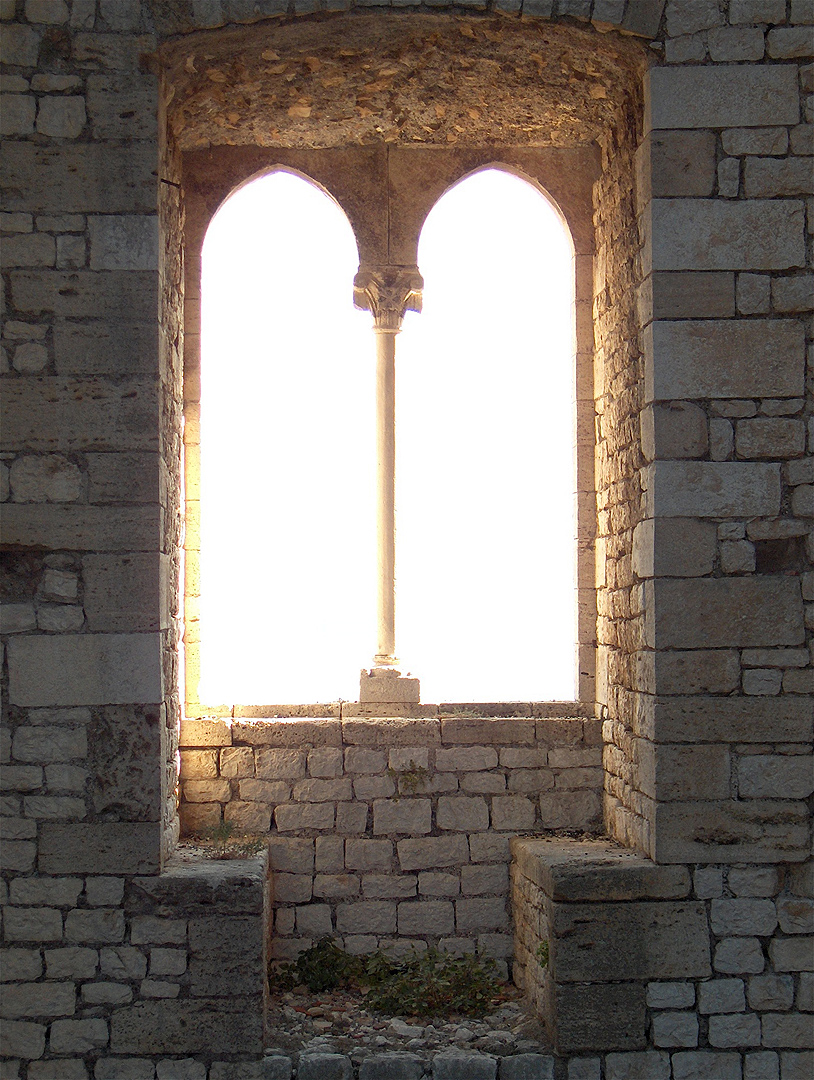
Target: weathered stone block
x=570, y=809
x=38, y=999
x=597, y=1018
x=426, y=917
x=95, y=349
x=674, y=430
x=477, y=880
x=743, y=95
x=761, y=831
x=697, y=671
x=123, y=242
x=77, y=1036
x=100, y=848
x=726, y=612
x=512, y=812
x=481, y=914
x=706, y=1065
x=796, y=915
x=88, y=669
x=433, y=851
x=676, y=163
x=663, y=940
x=723, y=359
x=413, y=816
x=699, y=489
x=126, y=592
x=763, y=776
x=748, y=720
x=687, y=295
x=325, y=1067
x=366, y=917
x=743, y=917
x=771, y=992
x=291, y=817
x=462, y=813
x=280, y=764
x=62, y=415
x=762, y=437
x=466, y=758
x=125, y=746
x=22, y=1039
x=392, y=731
x=675, y=1029
x=96, y=927
x=736, y=956
x=787, y=1030
x=708, y=234
x=455, y=1065
x=497, y=731
x=670, y=547
x=668, y=773
x=792, y=954
x=47, y=744
x=188, y=1027
x=125, y=295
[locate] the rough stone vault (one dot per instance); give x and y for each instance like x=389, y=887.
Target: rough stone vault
x=676, y=138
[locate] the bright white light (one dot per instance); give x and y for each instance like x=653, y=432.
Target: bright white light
x=486, y=600
x=287, y=443
x=485, y=431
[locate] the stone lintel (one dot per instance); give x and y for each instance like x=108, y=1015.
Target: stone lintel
x=596, y=871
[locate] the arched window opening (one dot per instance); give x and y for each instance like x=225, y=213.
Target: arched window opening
x=287, y=533
x=485, y=422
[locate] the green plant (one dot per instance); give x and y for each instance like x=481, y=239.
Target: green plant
x=408, y=781
x=221, y=841
x=427, y=984
x=542, y=953
x=322, y=967
x=436, y=984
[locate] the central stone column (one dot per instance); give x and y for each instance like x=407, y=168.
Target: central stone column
x=387, y=292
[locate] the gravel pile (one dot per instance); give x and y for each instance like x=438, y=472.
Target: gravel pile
x=301, y=1022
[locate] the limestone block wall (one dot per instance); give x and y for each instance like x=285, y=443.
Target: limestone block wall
x=112, y=969
x=670, y=970
x=702, y=320
x=717, y=663
x=392, y=833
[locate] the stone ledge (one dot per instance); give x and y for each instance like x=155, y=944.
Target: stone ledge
x=596, y=871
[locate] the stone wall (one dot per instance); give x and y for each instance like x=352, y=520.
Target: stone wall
x=392, y=833
x=703, y=472
x=703, y=970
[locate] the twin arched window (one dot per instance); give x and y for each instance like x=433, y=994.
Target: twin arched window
x=485, y=476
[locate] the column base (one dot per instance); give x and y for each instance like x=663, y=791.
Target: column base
x=388, y=686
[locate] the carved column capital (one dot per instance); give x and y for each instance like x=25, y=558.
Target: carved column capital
x=388, y=292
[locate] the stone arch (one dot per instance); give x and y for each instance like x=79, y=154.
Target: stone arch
x=344, y=99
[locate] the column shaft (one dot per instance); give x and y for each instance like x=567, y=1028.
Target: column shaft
x=386, y=495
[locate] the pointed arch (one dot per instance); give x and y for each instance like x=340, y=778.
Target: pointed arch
x=486, y=426
x=286, y=565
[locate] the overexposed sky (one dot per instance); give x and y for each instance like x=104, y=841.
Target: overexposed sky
x=485, y=474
